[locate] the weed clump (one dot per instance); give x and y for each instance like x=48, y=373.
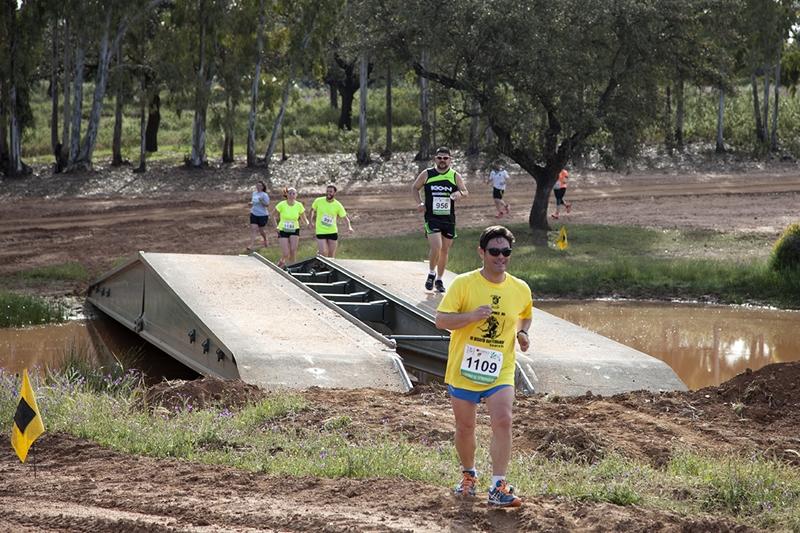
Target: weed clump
x=785, y=256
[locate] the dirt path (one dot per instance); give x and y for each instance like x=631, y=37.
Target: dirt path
x=54, y=220
x=81, y=486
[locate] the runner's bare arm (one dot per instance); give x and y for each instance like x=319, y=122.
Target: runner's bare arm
x=453, y=321
x=523, y=335
x=462, y=187
x=416, y=187
x=349, y=225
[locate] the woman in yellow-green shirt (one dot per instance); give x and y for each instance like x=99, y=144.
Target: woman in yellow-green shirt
x=289, y=212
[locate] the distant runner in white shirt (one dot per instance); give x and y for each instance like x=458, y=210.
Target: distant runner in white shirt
x=498, y=177
x=259, y=215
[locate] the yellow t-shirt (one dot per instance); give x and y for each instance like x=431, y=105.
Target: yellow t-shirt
x=482, y=355
x=327, y=213
x=290, y=215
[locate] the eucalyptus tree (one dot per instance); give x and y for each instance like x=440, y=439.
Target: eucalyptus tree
x=20, y=35
x=766, y=27
x=113, y=19
x=548, y=74
x=194, y=29
x=307, y=25
x=235, y=50
x=260, y=7
x=699, y=51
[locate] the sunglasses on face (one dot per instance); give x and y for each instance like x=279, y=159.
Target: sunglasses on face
x=494, y=252
x=442, y=157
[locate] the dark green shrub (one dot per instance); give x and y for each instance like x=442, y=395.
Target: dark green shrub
x=786, y=253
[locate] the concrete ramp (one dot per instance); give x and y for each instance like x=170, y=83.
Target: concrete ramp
x=564, y=358
x=241, y=318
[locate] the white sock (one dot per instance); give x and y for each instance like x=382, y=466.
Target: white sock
x=474, y=472
x=495, y=479
x=432, y=273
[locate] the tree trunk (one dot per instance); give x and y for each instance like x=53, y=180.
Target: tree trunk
x=116, y=143
x=434, y=144
x=474, y=144
x=537, y=218
x=773, y=140
x=668, y=140
x=3, y=128
x=679, y=111
x=15, y=166
x=251, y=119
x=333, y=95
x=227, y=143
x=720, y=121
x=77, y=107
x=387, y=152
x=424, y=152
x=766, y=104
x=63, y=156
x=55, y=144
x=757, y=109
x=276, y=126
x=362, y=156
x=101, y=82
x=346, y=114
x=142, y=127
x=198, y=156
x=153, y=122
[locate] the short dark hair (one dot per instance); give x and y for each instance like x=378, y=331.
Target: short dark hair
x=263, y=185
x=443, y=150
x=331, y=186
x=493, y=232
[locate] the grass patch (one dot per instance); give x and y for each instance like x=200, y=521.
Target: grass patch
x=18, y=310
x=105, y=406
x=612, y=261
x=754, y=487
x=72, y=271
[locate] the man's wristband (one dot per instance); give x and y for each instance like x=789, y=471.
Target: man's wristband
x=523, y=332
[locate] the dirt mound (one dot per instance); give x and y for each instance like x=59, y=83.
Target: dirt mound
x=766, y=395
x=569, y=444
x=200, y=393
x=772, y=386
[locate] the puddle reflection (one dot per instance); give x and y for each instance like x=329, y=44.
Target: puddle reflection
x=705, y=345
x=101, y=341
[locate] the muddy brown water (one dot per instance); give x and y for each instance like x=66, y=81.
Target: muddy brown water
x=705, y=345
x=100, y=341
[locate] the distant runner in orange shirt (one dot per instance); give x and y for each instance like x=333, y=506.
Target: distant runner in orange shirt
x=560, y=189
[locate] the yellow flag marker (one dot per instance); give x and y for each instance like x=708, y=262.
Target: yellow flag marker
x=28, y=423
x=561, y=241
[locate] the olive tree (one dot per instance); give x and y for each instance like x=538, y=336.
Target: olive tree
x=548, y=74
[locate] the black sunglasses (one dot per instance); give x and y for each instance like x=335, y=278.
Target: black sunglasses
x=443, y=158
x=497, y=251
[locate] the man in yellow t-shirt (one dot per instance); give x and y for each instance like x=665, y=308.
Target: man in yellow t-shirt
x=486, y=310
x=326, y=210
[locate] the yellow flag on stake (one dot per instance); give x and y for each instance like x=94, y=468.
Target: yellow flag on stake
x=561, y=241
x=28, y=423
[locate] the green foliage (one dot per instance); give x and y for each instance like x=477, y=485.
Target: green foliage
x=604, y=261
x=72, y=271
x=785, y=256
x=19, y=310
x=740, y=486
